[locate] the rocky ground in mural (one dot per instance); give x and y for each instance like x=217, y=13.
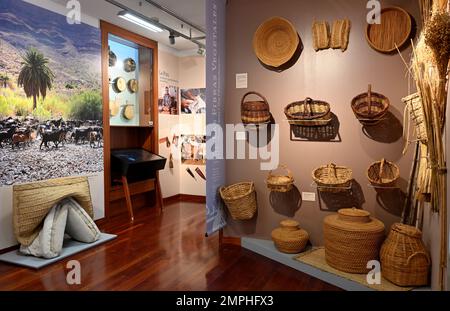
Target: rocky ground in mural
x=32, y=164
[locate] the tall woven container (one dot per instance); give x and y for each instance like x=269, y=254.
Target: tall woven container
x=404, y=258
x=240, y=200
x=352, y=239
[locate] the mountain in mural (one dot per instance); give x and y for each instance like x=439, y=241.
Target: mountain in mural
x=74, y=51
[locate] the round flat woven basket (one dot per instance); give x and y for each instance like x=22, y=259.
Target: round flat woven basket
x=395, y=29
x=280, y=183
x=383, y=174
x=369, y=108
x=404, y=258
x=240, y=200
x=332, y=178
x=352, y=239
x=275, y=42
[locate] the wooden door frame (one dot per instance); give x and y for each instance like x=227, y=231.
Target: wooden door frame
x=106, y=29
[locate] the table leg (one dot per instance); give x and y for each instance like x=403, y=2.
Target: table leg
x=126, y=191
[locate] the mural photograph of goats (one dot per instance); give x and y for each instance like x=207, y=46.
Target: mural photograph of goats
x=50, y=95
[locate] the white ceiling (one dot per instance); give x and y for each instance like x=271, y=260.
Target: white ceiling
x=191, y=10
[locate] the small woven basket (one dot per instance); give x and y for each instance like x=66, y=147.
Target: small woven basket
x=332, y=178
x=289, y=238
x=370, y=108
x=321, y=35
x=340, y=34
x=383, y=174
x=352, y=239
x=255, y=112
x=309, y=112
x=404, y=258
x=240, y=200
x=280, y=183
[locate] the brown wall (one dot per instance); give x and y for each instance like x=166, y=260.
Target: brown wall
x=329, y=75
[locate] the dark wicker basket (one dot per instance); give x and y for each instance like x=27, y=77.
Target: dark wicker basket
x=370, y=108
x=255, y=112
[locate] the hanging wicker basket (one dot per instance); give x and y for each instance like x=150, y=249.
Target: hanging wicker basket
x=352, y=239
x=404, y=258
x=240, y=200
x=280, y=183
x=332, y=178
x=321, y=35
x=255, y=112
x=370, y=108
x=383, y=174
x=308, y=113
x=289, y=238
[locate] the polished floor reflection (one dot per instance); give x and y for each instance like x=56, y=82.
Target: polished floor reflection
x=164, y=252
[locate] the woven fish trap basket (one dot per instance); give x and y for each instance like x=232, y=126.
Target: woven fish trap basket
x=404, y=258
x=352, y=239
x=240, y=200
x=383, y=174
x=370, y=108
x=332, y=178
x=308, y=112
x=414, y=105
x=289, y=238
x=280, y=183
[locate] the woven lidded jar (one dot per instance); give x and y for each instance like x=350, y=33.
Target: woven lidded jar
x=289, y=238
x=352, y=239
x=404, y=258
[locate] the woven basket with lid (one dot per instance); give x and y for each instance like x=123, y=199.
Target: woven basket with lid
x=289, y=238
x=352, y=239
x=404, y=258
x=280, y=183
x=240, y=200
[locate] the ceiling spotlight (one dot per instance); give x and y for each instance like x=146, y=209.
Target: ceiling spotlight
x=138, y=21
x=172, y=38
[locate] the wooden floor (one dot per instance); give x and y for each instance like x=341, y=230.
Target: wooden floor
x=168, y=252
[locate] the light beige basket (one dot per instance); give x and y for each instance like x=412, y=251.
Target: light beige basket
x=280, y=183
x=352, y=239
x=414, y=106
x=321, y=35
x=240, y=200
x=340, y=34
x=289, y=238
x=332, y=178
x=404, y=259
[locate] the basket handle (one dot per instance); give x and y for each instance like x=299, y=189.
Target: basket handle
x=253, y=93
x=308, y=106
x=285, y=168
x=382, y=164
x=332, y=169
x=418, y=254
x=369, y=98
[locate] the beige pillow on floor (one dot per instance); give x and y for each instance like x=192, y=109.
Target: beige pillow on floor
x=80, y=226
x=49, y=242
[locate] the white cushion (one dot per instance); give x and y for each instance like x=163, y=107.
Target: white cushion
x=79, y=225
x=48, y=244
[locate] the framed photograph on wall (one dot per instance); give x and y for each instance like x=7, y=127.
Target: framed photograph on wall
x=193, y=149
x=193, y=101
x=168, y=100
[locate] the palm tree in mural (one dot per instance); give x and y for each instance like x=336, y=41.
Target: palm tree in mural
x=35, y=76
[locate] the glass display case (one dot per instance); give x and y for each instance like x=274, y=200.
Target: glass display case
x=130, y=83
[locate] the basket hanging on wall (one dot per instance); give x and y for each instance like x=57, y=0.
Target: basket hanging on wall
x=383, y=174
x=340, y=34
x=280, y=183
x=255, y=112
x=370, y=108
x=240, y=200
x=321, y=35
x=308, y=112
x=332, y=178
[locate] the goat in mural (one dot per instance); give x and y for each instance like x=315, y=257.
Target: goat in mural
x=23, y=137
